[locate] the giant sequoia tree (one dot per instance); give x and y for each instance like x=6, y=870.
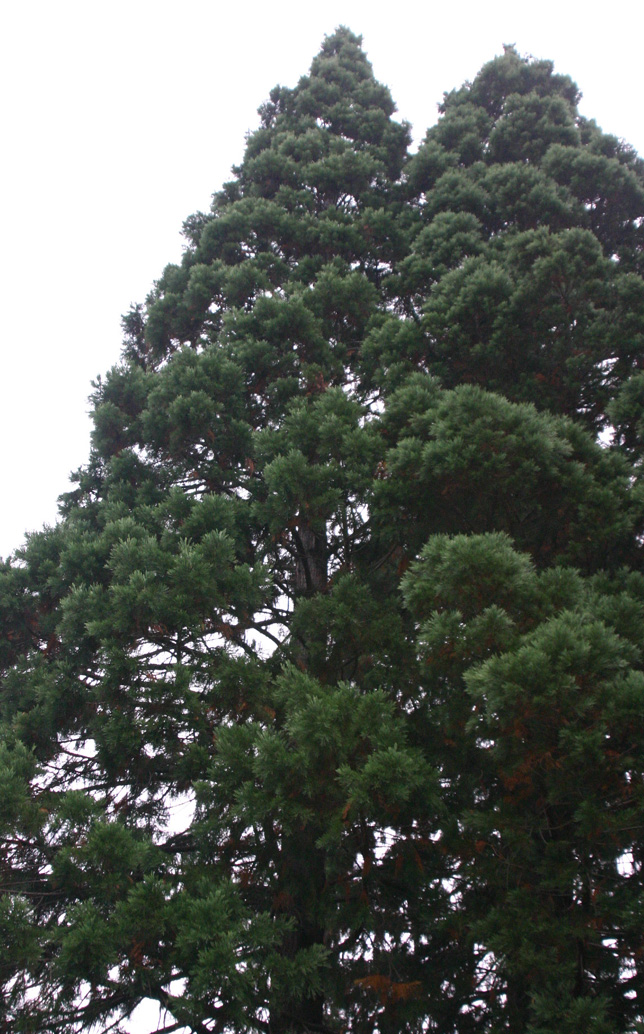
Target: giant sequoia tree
x=322, y=704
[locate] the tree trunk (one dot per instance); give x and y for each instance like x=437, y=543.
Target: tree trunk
x=311, y=560
x=304, y=863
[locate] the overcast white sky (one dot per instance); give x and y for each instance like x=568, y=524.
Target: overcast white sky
x=120, y=119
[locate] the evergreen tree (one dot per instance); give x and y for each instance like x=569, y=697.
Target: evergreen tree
x=321, y=705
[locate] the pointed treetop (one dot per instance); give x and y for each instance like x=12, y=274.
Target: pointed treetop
x=340, y=93
x=511, y=73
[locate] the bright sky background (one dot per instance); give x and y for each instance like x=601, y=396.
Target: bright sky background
x=120, y=119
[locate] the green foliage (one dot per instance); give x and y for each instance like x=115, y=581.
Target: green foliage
x=322, y=704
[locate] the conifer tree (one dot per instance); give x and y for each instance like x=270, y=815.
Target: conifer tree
x=322, y=703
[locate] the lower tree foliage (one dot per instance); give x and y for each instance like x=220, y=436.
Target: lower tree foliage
x=322, y=704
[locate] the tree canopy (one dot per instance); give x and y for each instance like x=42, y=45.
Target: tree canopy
x=322, y=704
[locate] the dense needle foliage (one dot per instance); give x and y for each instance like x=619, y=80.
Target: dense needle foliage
x=322, y=705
